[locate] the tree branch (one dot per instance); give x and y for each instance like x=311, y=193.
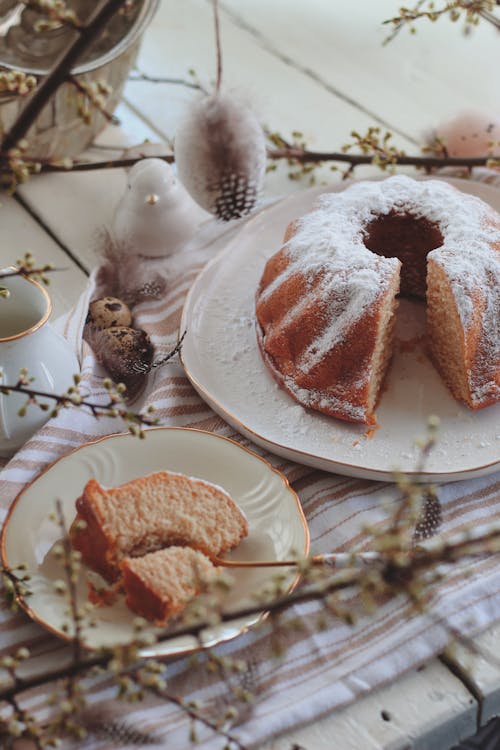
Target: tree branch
x=396, y=567
x=304, y=156
x=113, y=408
x=218, y=46
x=298, y=155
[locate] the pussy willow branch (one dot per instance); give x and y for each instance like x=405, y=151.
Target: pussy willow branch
x=29, y=271
x=197, y=716
x=473, y=10
x=71, y=584
x=399, y=23
x=297, y=155
x=218, y=45
x=83, y=39
x=305, y=156
x=138, y=75
x=111, y=409
x=23, y=715
x=396, y=572
x=491, y=18
x=108, y=116
x=346, y=580
x=60, y=15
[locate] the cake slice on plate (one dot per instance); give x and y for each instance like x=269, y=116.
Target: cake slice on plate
x=147, y=514
x=159, y=585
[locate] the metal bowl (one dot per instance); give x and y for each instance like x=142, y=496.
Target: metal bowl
x=60, y=130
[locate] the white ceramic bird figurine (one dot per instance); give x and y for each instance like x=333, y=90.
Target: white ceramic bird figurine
x=156, y=215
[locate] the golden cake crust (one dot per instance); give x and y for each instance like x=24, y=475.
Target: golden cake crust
x=150, y=513
x=326, y=300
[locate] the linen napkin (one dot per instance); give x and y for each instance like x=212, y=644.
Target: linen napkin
x=320, y=669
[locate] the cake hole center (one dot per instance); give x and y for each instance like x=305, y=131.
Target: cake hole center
x=408, y=238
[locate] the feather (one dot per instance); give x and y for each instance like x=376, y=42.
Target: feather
x=126, y=276
x=220, y=153
x=104, y=722
x=430, y=518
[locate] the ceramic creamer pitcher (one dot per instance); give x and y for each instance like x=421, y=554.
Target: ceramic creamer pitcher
x=27, y=340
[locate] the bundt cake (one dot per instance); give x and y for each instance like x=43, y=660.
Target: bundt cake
x=325, y=305
x=152, y=512
x=159, y=585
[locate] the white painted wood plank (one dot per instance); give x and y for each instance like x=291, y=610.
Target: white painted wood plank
x=75, y=206
x=20, y=233
x=412, y=83
x=482, y=668
x=427, y=709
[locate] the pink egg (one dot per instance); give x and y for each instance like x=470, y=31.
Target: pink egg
x=471, y=134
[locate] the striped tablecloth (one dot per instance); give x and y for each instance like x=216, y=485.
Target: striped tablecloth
x=320, y=669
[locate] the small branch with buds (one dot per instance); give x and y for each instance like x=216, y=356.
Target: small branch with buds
x=138, y=75
x=16, y=82
x=115, y=407
x=70, y=561
x=372, y=152
x=397, y=567
x=38, y=273
x=395, y=573
x=26, y=267
x=93, y=95
x=57, y=13
x=472, y=11
x=302, y=157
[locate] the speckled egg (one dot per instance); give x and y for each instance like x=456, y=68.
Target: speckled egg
x=471, y=133
x=109, y=311
x=124, y=352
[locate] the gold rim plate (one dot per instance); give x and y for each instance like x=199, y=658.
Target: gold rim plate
x=277, y=526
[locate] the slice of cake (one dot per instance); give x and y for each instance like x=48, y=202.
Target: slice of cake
x=159, y=585
x=152, y=512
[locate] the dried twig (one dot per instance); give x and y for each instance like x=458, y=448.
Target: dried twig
x=218, y=46
x=89, y=166
x=138, y=75
x=472, y=10
x=26, y=267
x=29, y=271
x=396, y=571
x=426, y=162
x=70, y=573
x=115, y=407
x=94, y=98
x=299, y=155
x=197, y=716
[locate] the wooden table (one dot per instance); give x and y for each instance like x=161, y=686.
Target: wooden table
x=317, y=67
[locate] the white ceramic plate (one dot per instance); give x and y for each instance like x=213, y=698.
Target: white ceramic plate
x=222, y=360
x=277, y=526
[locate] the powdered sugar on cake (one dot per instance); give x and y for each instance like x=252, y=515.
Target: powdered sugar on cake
x=332, y=237
x=327, y=259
